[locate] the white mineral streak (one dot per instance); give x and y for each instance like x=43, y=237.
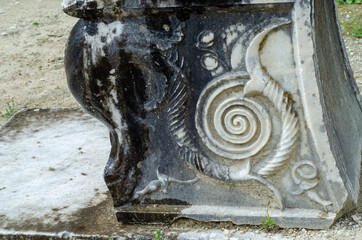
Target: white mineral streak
x=113, y=91
x=94, y=41
x=52, y=168
x=231, y=34
x=68, y=3
x=118, y=120
x=229, y=37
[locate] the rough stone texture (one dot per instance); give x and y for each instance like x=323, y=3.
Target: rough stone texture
x=226, y=235
x=217, y=109
x=41, y=184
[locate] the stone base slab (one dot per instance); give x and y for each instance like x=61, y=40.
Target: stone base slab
x=288, y=218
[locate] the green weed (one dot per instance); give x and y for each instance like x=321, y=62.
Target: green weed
x=349, y=1
x=353, y=27
x=158, y=235
x=351, y=19
x=9, y=111
x=269, y=224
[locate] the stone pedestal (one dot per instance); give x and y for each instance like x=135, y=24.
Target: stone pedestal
x=220, y=110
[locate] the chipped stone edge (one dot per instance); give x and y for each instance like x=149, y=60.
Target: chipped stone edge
x=288, y=218
x=99, y=9
x=23, y=111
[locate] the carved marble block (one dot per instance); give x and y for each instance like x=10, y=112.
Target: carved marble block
x=220, y=110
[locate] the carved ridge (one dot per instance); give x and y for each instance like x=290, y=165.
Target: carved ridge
x=178, y=99
x=290, y=128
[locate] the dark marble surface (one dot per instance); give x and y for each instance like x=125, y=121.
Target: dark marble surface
x=166, y=77
x=123, y=8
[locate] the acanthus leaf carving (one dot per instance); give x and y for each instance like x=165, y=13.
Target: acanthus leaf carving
x=290, y=128
x=179, y=95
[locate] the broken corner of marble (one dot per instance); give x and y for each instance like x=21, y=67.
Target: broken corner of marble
x=220, y=110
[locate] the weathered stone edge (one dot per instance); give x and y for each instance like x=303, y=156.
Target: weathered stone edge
x=288, y=218
x=98, y=9
x=23, y=111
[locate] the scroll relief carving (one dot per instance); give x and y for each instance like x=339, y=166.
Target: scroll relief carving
x=305, y=175
x=231, y=122
x=232, y=117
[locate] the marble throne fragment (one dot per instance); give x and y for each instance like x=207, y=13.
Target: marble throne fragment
x=218, y=110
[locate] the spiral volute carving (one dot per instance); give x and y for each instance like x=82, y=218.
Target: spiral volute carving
x=230, y=126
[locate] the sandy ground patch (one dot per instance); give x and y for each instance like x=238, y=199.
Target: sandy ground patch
x=31, y=56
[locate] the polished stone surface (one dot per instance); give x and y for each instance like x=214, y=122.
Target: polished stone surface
x=220, y=111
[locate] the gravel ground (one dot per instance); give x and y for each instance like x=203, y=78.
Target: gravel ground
x=32, y=38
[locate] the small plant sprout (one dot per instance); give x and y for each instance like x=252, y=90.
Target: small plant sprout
x=158, y=235
x=9, y=111
x=349, y=1
x=352, y=24
x=269, y=224
x=35, y=23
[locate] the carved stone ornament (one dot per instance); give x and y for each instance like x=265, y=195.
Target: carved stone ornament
x=218, y=108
